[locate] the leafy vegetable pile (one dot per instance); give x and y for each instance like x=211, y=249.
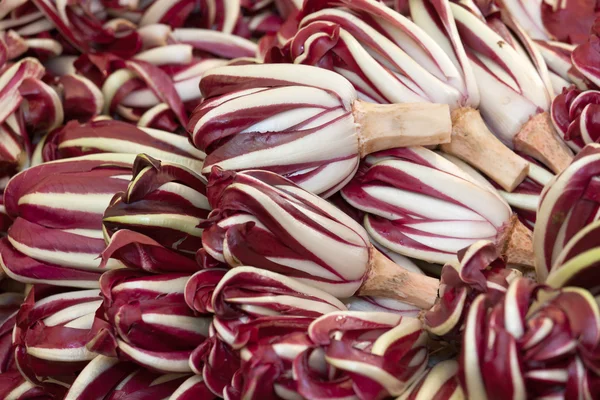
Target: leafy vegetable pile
x=299, y=200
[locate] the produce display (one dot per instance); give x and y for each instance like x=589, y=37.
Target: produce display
x=312, y=106
x=299, y=199
x=406, y=65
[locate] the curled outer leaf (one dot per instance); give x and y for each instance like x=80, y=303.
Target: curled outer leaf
x=440, y=382
x=12, y=45
x=243, y=333
x=137, y=250
x=568, y=203
x=316, y=379
x=12, y=78
x=264, y=220
x=535, y=342
x=412, y=196
x=42, y=109
x=81, y=98
x=575, y=117
x=51, y=335
x=257, y=292
x=266, y=370
x=130, y=75
x=200, y=287
x=161, y=85
x=585, y=57
x=158, y=86
x=145, y=319
x=216, y=362
x=391, y=354
x=156, y=219
x=277, y=117
x=478, y=270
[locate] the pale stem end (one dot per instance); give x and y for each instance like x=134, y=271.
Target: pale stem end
x=387, y=279
x=516, y=243
x=387, y=126
x=475, y=144
x=538, y=139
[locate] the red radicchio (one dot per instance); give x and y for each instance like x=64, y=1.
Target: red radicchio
x=568, y=203
x=51, y=335
x=577, y=263
x=477, y=271
x=107, y=136
x=412, y=196
x=153, y=225
x=586, y=57
x=246, y=296
x=14, y=386
x=576, y=117
x=380, y=353
x=145, y=319
x=277, y=118
x=440, y=383
x=109, y=378
x=536, y=342
x=57, y=209
x=262, y=219
x=263, y=118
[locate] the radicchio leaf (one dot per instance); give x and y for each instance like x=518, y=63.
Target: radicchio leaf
x=535, y=342
x=145, y=319
x=413, y=195
x=262, y=219
x=568, y=204
x=478, y=270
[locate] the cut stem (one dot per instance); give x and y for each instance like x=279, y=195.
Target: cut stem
x=538, y=139
x=473, y=142
x=516, y=243
x=386, y=126
x=387, y=279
